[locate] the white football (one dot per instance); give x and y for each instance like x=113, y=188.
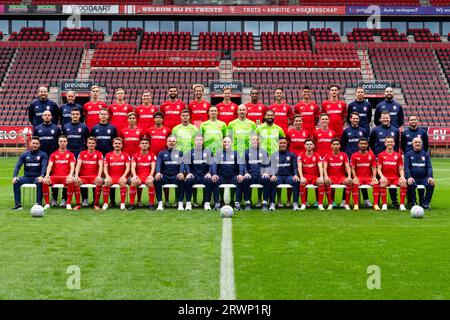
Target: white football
x=226, y=211
x=417, y=212
x=37, y=211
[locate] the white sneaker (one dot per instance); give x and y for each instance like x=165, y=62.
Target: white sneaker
x=63, y=203
x=207, y=206
x=402, y=207
x=347, y=207
x=85, y=203
x=343, y=204
x=180, y=206
x=330, y=207
x=272, y=207
x=160, y=206
x=295, y=207
x=188, y=206
x=320, y=207
x=303, y=207
x=368, y=204
x=47, y=206
x=384, y=207
x=105, y=206
x=68, y=206
x=122, y=206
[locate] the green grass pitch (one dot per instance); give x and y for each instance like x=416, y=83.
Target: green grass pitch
x=172, y=255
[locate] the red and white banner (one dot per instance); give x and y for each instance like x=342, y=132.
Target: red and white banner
x=234, y=10
x=439, y=136
x=14, y=134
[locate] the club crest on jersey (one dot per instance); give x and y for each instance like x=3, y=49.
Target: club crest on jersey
x=288, y=158
x=395, y=107
x=360, y=133
x=109, y=131
x=341, y=158
x=392, y=134
x=47, y=107
x=79, y=129
x=52, y=131
x=38, y=158
x=423, y=158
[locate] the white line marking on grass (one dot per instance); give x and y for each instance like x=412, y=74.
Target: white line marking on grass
x=227, y=290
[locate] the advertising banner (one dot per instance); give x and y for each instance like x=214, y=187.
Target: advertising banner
x=439, y=136
x=217, y=86
x=90, y=9
x=397, y=11
x=76, y=85
x=234, y=10
x=14, y=134
x=374, y=86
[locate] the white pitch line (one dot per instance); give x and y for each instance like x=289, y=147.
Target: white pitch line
x=227, y=289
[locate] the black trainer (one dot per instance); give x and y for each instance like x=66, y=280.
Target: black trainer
x=130, y=207
x=248, y=207
x=264, y=207
x=151, y=207
x=112, y=204
x=17, y=207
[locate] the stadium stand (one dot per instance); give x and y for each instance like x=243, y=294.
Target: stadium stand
x=325, y=35
x=361, y=35
x=166, y=41
x=424, y=35
x=81, y=34
x=34, y=66
x=127, y=34
x=417, y=72
x=226, y=41
x=392, y=35
x=285, y=41
x=30, y=34
x=361, y=2
x=134, y=81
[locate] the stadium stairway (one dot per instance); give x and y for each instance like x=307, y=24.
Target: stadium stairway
x=366, y=65
x=226, y=70
x=439, y=64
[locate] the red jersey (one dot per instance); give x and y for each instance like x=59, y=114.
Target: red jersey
x=227, y=112
x=336, y=164
x=91, y=111
x=283, y=113
x=158, y=138
x=256, y=112
x=143, y=163
x=116, y=163
x=310, y=164
x=363, y=164
x=118, y=115
x=309, y=112
x=145, y=116
x=199, y=112
x=297, y=139
x=390, y=164
x=323, y=141
x=131, y=139
x=61, y=163
x=337, y=112
x=172, y=113
x=89, y=163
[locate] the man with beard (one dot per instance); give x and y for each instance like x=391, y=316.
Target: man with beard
x=283, y=111
x=227, y=108
x=413, y=131
x=269, y=133
x=199, y=107
x=172, y=109
x=255, y=108
x=213, y=131
x=309, y=110
x=393, y=107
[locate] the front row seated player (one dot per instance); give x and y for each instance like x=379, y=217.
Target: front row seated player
x=89, y=170
x=143, y=166
x=35, y=164
x=418, y=171
x=336, y=170
x=391, y=173
x=198, y=164
x=364, y=172
x=116, y=169
x=283, y=170
x=228, y=168
x=60, y=170
x=310, y=170
x=169, y=170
